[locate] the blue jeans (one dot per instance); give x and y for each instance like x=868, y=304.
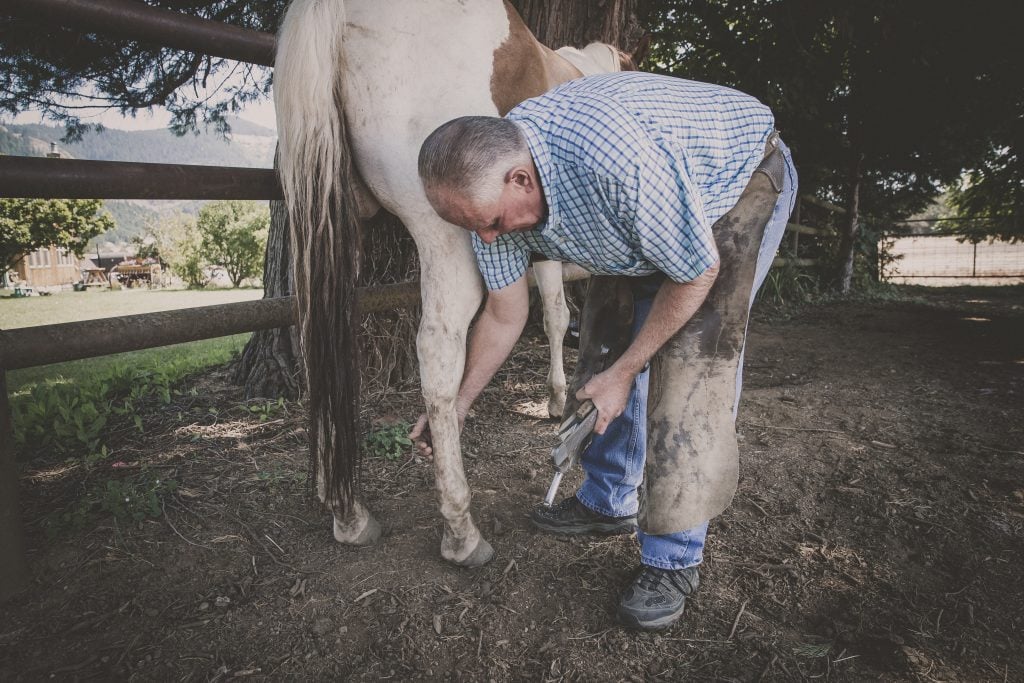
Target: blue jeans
x=614, y=462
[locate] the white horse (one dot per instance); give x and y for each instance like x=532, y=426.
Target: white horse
x=359, y=84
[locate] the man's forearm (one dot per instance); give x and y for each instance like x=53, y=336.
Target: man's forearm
x=490, y=343
x=674, y=305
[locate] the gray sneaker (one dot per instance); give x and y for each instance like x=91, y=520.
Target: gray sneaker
x=656, y=597
x=573, y=517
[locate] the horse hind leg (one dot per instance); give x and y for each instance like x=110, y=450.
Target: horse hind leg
x=556, y=321
x=358, y=526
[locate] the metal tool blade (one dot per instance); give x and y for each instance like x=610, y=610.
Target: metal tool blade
x=574, y=436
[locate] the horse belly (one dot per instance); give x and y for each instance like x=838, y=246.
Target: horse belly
x=410, y=66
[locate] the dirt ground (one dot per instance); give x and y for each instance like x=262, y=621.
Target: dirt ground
x=878, y=533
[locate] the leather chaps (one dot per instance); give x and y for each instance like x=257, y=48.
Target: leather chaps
x=692, y=455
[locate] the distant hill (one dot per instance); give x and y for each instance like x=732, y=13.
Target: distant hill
x=249, y=145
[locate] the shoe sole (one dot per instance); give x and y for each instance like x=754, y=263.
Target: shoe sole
x=661, y=623
x=591, y=528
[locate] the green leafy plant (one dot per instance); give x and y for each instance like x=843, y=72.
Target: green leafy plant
x=72, y=420
x=267, y=410
x=129, y=500
x=388, y=442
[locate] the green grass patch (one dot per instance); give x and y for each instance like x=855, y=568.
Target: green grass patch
x=65, y=307
x=173, y=361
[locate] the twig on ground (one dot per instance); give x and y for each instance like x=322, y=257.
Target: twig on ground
x=736, y=621
x=170, y=524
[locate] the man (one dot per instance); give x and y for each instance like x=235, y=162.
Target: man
x=622, y=174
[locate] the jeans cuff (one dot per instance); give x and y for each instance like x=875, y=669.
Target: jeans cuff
x=663, y=564
x=589, y=503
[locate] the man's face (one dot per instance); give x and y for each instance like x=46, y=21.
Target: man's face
x=520, y=206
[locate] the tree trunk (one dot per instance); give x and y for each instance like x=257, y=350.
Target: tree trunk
x=578, y=22
x=848, y=243
x=388, y=338
x=269, y=365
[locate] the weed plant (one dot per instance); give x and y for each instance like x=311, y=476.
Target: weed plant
x=389, y=442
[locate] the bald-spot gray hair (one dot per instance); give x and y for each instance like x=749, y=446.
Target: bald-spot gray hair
x=470, y=155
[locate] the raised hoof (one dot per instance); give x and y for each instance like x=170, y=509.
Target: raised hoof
x=367, y=535
x=556, y=409
x=481, y=555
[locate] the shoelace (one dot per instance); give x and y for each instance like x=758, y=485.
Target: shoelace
x=652, y=578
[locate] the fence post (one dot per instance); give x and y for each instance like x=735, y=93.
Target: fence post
x=13, y=566
x=974, y=261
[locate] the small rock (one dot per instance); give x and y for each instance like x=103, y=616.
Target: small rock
x=222, y=601
x=343, y=630
x=322, y=626
x=437, y=624
x=203, y=606
x=531, y=474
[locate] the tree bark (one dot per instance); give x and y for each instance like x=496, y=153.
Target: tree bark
x=557, y=23
x=270, y=363
x=851, y=227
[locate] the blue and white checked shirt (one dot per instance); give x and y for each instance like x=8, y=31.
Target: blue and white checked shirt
x=635, y=169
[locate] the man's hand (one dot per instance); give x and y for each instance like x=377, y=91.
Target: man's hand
x=609, y=391
x=423, y=440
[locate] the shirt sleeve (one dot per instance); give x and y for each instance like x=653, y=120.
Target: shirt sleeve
x=501, y=262
x=670, y=224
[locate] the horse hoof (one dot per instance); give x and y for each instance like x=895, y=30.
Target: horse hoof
x=556, y=409
x=481, y=555
x=367, y=534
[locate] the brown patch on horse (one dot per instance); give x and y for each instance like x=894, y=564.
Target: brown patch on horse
x=626, y=61
x=523, y=68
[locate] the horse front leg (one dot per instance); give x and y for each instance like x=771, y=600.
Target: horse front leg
x=556, y=321
x=451, y=292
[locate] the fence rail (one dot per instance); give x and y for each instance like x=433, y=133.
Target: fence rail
x=168, y=28
x=78, y=179
x=947, y=259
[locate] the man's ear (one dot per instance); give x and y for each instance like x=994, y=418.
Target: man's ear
x=521, y=178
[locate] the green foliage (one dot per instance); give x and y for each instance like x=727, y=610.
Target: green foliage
x=29, y=224
x=129, y=500
x=174, y=240
x=71, y=420
x=388, y=442
x=991, y=196
x=789, y=285
x=234, y=237
x=44, y=65
x=901, y=95
x=267, y=410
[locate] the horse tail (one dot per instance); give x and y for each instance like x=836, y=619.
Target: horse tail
x=316, y=172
